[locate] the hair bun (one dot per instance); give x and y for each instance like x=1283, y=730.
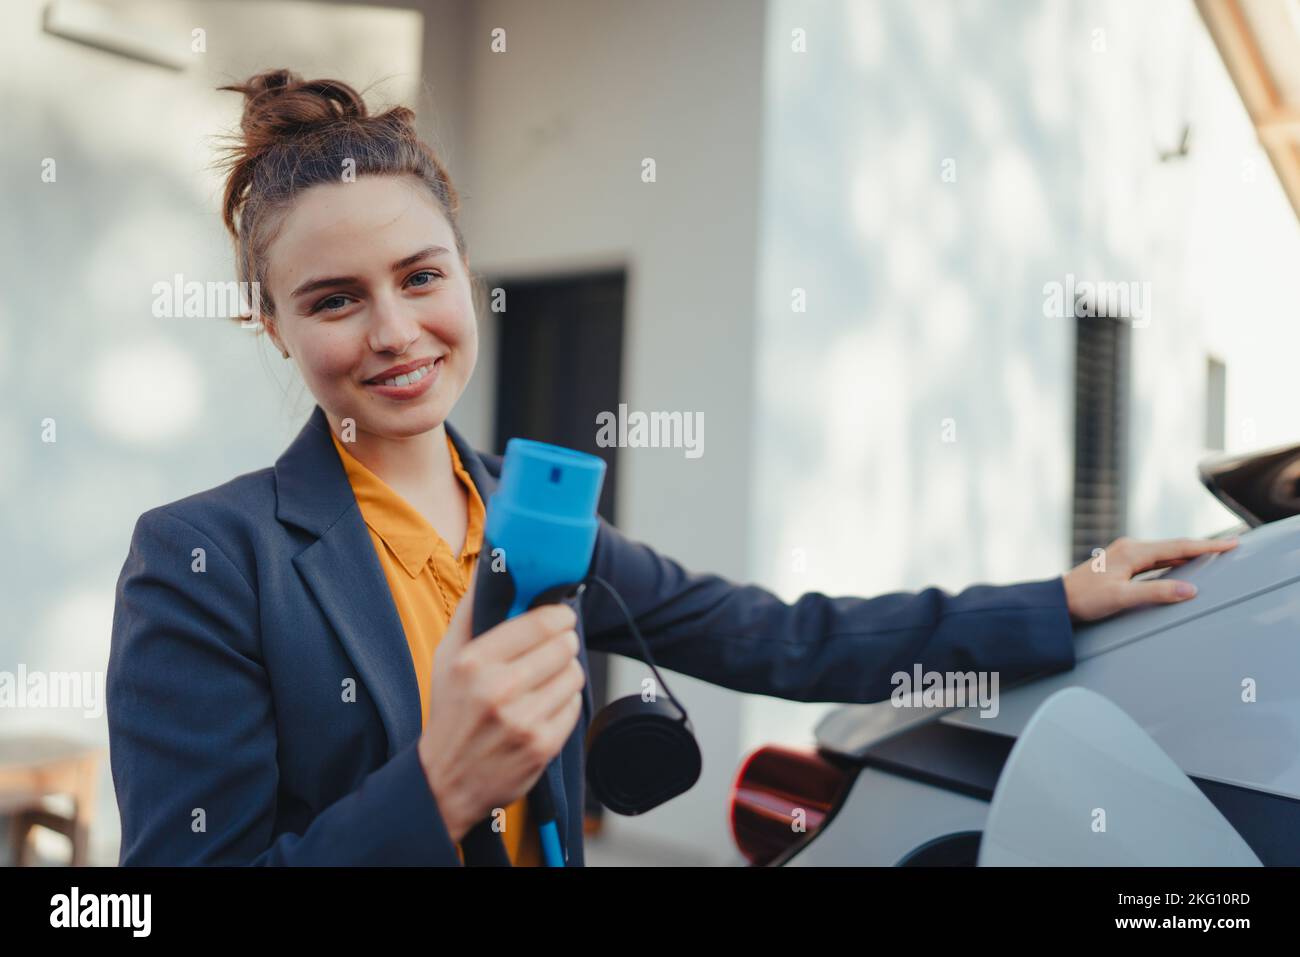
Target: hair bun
x=296, y=134
x=279, y=103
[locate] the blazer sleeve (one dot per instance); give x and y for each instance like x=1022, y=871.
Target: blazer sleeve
x=819, y=648
x=192, y=731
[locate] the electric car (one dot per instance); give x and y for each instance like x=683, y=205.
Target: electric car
x=1174, y=741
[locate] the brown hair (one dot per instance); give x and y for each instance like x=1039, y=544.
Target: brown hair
x=297, y=134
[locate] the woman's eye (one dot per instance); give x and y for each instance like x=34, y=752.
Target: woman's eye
x=431, y=273
x=324, y=305
x=336, y=302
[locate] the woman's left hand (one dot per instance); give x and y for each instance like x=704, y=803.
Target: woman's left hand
x=1103, y=585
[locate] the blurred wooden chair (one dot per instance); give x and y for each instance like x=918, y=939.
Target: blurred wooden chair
x=35, y=768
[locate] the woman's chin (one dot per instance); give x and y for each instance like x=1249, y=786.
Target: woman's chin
x=402, y=418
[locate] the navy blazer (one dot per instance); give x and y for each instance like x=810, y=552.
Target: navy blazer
x=233, y=739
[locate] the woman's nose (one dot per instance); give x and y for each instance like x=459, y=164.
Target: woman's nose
x=393, y=327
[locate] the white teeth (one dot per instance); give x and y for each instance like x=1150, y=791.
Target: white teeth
x=409, y=377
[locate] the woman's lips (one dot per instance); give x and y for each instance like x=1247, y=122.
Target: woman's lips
x=412, y=390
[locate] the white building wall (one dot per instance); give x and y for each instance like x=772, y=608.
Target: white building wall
x=925, y=297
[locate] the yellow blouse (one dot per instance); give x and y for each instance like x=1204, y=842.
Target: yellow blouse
x=427, y=581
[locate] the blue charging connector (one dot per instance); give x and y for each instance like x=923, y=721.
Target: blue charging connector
x=539, y=537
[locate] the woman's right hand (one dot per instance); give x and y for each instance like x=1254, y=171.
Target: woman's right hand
x=501, y=707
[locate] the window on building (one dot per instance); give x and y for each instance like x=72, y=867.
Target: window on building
x=1101, y=414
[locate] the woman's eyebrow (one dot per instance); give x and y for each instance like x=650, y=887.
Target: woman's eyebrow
x=313, y=285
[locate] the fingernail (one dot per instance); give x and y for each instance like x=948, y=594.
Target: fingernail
x=1185, y=590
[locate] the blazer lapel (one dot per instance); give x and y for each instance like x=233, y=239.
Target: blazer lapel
x=344, y=575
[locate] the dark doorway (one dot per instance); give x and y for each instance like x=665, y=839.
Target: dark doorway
x=559, y=363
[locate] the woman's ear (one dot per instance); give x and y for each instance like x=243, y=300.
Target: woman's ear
x=275, y=339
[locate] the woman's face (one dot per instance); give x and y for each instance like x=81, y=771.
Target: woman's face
x=365, y=276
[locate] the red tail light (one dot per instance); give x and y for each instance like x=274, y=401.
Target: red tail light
x=780, y=798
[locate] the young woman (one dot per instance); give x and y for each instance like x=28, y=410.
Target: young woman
x=273, y=692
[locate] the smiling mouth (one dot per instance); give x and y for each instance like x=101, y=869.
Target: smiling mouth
x=406, y=378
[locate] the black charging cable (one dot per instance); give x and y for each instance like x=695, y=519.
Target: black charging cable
x=636, y=633
x=640, y=753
